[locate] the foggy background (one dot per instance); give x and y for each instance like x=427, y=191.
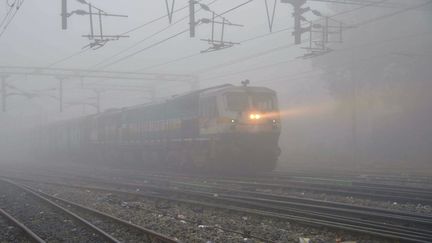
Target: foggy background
x=365, y=105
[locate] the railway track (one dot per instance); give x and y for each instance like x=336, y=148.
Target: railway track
x=403, y=226
x=21, y=234
x=98, y=227
x=257, y=196
x=364, y=190
x=283, y=181
x=141, y=234
x=368, y=177
x=382, y=192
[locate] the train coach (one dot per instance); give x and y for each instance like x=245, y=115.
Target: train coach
x=225, y=127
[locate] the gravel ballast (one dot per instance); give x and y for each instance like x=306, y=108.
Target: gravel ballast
x=192, y=223
x=43, y=220
x=11, y=233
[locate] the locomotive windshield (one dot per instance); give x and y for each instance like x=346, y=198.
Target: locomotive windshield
x=243, y=101
x=263, y=101
x=237, y=101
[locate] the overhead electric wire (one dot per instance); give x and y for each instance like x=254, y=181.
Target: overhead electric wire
x=11, y=8
x=373, y=43
x=259, y=36
x=265, y=35
x=182, y=58
x=154, y=20
x=17, y=6
x=357, y=8
x=68, y=57
x=311, y=73
x=199, y=53
x=124, y=33
x=169, y=62
x=133, y=54
x=357, y=25
x=135, y=44
x=236, y=7
x=360, y=2
x=146, y=38
x=247, y=58
x=144, y=49
x=334, y=51
x=395, y=13
x=271, y=51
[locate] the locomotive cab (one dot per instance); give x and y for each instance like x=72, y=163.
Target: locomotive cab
x=252, y=109
x=243, y=125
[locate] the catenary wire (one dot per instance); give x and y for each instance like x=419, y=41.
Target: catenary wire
x=258, y=37
x=141, y=41
x=124, y=33
x=373, y=43
x=17, y=8
x=373, y=20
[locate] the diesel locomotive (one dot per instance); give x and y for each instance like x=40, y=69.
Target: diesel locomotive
x=225, y=127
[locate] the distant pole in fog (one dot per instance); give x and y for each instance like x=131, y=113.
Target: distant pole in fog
x=98, y=100
x=298, y=18
x=3, y=92
x=192, y=23
x=354, y=123
x=64, y=14
x=61, y=94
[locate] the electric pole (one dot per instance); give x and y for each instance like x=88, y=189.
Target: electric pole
x=354, y=123
x=64, y=14
x=298, y=12
x=3, y=92
x=60, y=94
x=98, y=100
x=192, y=18
x=298, y=18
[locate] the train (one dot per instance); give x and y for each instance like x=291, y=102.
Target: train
x=225, y=127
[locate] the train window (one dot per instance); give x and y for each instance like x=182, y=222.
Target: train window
x=237, y=101
x=208, y=107
x=184, y=107
x=213, y=111
x=263, y=101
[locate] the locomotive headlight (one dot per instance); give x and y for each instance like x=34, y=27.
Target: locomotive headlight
x=254, y=116
x=275, y=124
x=233, y=124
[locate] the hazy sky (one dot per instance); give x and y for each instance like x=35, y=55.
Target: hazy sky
x=391, y=35
x=34, y=38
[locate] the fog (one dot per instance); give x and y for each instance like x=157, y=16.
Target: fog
x=363, y=105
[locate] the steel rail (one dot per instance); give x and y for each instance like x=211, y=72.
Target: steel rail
x=331, y=211
x=352, y=175
x=270, y=205
x=381, y=194
x=298, y=202
x=158, y=236
x=34, y=237
x=102, y=233
x=350, y=184
x=347, y=182
x=153, y=235
x=329, y=221
x=306, y=201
